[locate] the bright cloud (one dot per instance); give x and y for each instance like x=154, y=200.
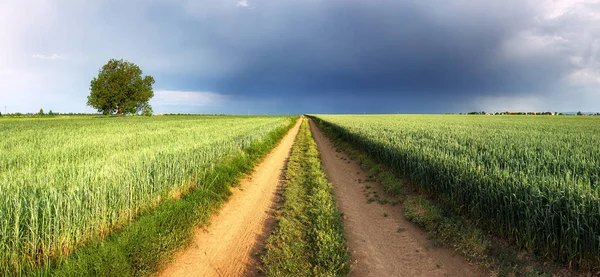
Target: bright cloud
x=586, y=76
x=47, y=57
x=553, y=9
x=243, y=3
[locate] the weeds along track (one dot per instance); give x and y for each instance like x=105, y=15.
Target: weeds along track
x=530, y=179
x=68, y=183
x=309, y=237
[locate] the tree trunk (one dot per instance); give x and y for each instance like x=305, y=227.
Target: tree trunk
x=120, y=111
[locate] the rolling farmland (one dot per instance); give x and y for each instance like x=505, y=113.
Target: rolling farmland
x=533, y=180
x=66, y=181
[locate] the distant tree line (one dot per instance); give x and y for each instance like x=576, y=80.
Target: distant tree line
x=51, y=113
x=42, y=114
x=529, y=113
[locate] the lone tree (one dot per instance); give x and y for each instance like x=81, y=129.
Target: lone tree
x=120, y=88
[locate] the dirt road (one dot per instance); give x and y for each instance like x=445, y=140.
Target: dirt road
x=229, y=245
x=378, y=247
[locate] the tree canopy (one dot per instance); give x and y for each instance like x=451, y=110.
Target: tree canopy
x=120, y=88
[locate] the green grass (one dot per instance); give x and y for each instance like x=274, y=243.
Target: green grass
x=309, y=237
x=447, y=230
x=107, y=188
x=532, y=180
x=475, y=245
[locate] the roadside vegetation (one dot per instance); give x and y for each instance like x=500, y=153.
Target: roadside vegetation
x=309, y=237
x=117, y=197
x=467, y=235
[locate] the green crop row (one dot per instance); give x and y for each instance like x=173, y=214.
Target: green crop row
x=66, y=182
x=532, y=180
x=309, y=237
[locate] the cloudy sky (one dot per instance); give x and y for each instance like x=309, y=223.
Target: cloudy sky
x=307, y=56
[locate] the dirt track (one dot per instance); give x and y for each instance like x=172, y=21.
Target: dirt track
x=378, y=249
x=229, y=245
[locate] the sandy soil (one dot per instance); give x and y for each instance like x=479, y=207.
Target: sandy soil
x=377, y=248
x=229, y=246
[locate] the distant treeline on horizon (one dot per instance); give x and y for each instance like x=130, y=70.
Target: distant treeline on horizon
x=50, y=113
x=529, y=113
x=18, y=114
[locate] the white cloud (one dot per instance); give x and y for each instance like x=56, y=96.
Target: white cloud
x=566, y=32
x=555, y=9
x=244, y=3
x=188, y=98
x=47, y=57
x=585, y=76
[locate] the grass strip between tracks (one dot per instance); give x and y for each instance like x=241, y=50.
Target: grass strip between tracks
x=309, y=237
x=146, y=244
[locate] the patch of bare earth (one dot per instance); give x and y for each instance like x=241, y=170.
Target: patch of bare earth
x=228, y=247
x=381, y=241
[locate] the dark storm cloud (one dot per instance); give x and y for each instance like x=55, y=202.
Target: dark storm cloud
x=313, y=55
x=382, y=47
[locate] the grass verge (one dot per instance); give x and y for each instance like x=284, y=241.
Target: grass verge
x=142, y=247
x=309, y=237
x=442, y=226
